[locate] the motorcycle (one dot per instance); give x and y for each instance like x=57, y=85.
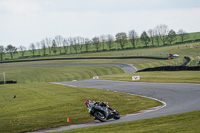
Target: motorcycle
x=103, y=112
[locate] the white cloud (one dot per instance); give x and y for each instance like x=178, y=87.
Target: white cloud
x=20, y=6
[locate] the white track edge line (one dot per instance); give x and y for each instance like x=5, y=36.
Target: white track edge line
x=63, y=84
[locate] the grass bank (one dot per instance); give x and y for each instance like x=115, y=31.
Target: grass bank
x=42, y=73
x=178, y=123
x=40, y=104
x=44, y=105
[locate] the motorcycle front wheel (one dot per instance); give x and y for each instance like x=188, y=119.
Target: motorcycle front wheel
x=117, y=115
x=100, y=116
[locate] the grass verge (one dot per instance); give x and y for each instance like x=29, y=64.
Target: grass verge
x=44, y=105
x=178, y=123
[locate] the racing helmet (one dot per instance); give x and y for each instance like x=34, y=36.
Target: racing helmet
x=87, y=102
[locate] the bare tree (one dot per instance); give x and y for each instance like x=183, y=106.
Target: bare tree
x=87, y=42
x=48, y=44
x=157, y=37
x=22, y=50
x=145, y=38
x=163, y=32
x=59, y=41
x=75, y=44
x=1, y=52
x=43, y=46
x=65, y=45
x=151, y=33
x=109, y=40
x=54, y=46
x=38, y=46
x=103, y=40
x=132, y=37
x=171, y=36
x=183, y=35
x=32, y=48
x=80, y=41
x=121, y=38
x=11, y=49
x=71, y=42
x=96, y=43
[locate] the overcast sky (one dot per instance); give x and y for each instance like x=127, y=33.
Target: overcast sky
x=25, y=21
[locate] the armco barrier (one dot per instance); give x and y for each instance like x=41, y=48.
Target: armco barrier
x=8, y=82
x=127, y=57
x=172, y=68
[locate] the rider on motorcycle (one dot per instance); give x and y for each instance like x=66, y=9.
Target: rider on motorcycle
x=101, y=111
x=88, y=103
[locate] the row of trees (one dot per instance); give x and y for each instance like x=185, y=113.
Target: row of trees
x=159, y=34
x=10, y=49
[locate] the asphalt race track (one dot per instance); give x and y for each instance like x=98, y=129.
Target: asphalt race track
x=177, y=98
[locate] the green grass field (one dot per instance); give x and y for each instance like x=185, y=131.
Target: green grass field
x=178, y=123
x=41, y=104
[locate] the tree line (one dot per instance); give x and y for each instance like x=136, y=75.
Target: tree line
x=60, y=45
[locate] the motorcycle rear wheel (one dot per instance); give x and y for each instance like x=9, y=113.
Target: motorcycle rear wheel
x=100, y=116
